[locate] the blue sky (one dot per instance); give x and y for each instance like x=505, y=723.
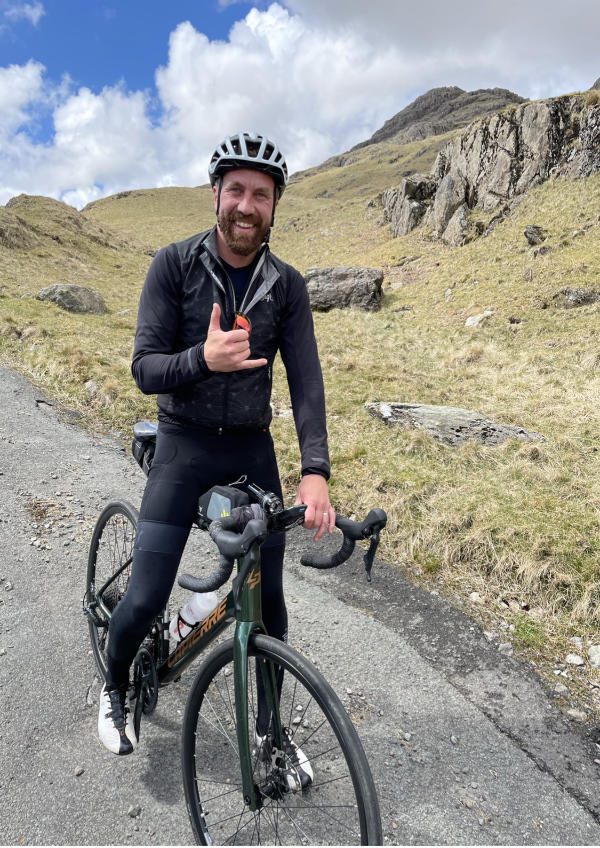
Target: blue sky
x=99, y=96
x=102, y=43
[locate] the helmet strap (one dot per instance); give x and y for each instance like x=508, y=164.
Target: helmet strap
x=220, y=184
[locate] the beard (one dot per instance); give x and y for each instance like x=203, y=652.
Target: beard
x=242, y=243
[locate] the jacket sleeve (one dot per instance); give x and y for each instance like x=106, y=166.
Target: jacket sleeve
x=300, y=356
x=157, y=366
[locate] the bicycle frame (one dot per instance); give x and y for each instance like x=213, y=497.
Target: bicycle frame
x=242, y=605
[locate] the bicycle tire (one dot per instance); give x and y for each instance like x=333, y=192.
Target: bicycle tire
x=111, y=546
x=339, y=807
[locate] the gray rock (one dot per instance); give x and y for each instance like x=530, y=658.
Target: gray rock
x=577, y=715
x=449, y=424
x=455, y=233
x=596, y=84
x=340, y=288
x=569, y=298
x=594, y=655
x=405, y=206
x=476, y=320
x=574, y=659
x=74, y=298
x=449, y=197
x=534, y=234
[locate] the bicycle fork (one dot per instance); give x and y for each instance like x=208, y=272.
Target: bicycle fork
x=249, y=621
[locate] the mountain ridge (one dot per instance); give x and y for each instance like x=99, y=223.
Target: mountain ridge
x=440, y=110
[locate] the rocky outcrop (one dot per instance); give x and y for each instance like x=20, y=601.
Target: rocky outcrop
x=409, y=202
x=449, y=424
x=339, y=288
x=496, y=160
x=441, y=110
x=74, y=298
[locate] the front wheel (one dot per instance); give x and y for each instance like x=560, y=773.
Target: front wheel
x=337, y=806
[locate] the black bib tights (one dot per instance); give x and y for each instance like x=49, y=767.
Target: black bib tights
x=186, y=464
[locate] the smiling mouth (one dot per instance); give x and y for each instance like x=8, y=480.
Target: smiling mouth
x=244, y=225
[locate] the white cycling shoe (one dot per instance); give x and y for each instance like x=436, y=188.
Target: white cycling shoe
x=115, y=721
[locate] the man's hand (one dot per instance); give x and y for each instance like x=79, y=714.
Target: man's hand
x=314, y=492
x=227, y=350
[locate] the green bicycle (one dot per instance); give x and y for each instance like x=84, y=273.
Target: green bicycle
x=256, y=706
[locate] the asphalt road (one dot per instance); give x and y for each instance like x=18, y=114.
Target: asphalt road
x=465, y=745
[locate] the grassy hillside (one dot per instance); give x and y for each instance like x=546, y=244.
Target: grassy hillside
x=519, y=524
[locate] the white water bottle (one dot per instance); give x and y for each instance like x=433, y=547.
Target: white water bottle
x=198, y=607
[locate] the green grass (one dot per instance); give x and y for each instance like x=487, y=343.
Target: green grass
x=521, y=520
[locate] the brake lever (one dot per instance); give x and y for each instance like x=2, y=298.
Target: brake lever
x=289, y=518
x=370, y=554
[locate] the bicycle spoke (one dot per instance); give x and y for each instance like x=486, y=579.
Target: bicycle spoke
x=331, y=806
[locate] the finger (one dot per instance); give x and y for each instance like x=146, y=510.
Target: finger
x=252, y=363
x=309, y=517
x=323, y=525
x=238, y=335
x=331, y=519
x=215, y=319
x=239, y=349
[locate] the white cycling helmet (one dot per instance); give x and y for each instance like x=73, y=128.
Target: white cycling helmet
x=249, y=150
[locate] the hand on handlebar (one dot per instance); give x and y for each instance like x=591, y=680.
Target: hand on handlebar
x=314, y=492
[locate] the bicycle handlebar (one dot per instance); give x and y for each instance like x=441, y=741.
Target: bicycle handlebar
x=352, y=531
x=235, y=534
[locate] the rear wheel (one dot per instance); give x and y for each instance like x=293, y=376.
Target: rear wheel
x=338, y=807
x=108, y=571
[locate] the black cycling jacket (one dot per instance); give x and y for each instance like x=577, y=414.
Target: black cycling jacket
x=183, y=282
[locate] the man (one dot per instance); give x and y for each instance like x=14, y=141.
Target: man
x=213, y=313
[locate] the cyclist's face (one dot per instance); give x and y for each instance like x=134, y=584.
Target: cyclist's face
x=246, y=208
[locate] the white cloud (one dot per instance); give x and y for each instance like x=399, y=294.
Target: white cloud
x=311, y=91
x=28, y=11
x=317, y=77
x=21, y=86
x=537, y=47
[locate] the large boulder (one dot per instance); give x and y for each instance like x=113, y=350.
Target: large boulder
x=449, y=424
x=74, y=298
x=339, y=288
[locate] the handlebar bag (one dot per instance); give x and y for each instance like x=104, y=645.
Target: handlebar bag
x=219, y=501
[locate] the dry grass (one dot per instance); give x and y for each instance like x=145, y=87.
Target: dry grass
x=517, y=523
